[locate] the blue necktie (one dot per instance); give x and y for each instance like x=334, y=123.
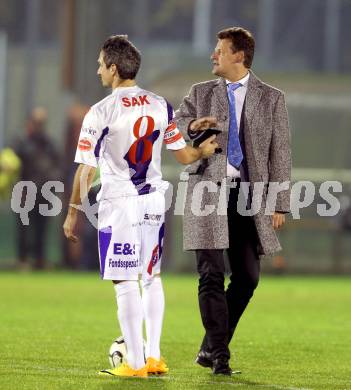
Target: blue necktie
x=234, y=152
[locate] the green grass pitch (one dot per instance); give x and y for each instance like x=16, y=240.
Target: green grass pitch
x=56, y=328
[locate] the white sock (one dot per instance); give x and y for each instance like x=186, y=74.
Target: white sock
x=130, y=315
x=154, y=306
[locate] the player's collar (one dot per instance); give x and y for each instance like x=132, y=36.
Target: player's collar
x=116, y=90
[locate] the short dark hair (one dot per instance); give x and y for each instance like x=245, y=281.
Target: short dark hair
x=241, y=40
x=120, y=51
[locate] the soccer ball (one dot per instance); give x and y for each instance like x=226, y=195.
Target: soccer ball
x=118, y=352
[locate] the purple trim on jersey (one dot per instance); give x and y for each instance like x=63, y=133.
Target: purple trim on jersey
x=105, y=235
x=161, y=234
x=170, y=112
x=98, y=144
x=157, y=251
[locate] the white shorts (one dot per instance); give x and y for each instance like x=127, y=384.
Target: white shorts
x=131, y=231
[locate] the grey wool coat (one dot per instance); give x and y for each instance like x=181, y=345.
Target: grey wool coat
x=265, y=130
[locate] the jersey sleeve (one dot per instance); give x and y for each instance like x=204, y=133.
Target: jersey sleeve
x=173, y=137
x=90, y=138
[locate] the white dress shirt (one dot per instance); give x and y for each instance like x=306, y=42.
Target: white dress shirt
x=239, y=94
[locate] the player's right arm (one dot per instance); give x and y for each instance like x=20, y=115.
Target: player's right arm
x=87, y=155
x=186, y=154
x=189, y=154
x=81, y=185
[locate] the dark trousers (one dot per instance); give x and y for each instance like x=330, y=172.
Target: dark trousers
x=220, y=309
x=31, y=238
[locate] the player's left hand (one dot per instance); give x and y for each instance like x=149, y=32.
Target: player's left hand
x=69, y=226
x=278, y=220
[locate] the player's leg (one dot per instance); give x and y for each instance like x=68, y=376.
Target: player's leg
x=119, y=245
x=153, y=305
x=130, y=316
x=153, y=295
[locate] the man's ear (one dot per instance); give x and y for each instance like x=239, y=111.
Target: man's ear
x=113, y=70
x=239, y=57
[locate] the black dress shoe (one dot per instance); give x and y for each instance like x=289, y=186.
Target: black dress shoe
x=204, y=359
x=221, y=366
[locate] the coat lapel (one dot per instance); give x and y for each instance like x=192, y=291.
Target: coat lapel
x=221, y=99
x=253, y=97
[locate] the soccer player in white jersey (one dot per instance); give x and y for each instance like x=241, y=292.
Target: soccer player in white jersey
x=123, y=136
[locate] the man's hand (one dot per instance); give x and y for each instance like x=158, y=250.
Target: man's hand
x=278, y=220
x=81, y=184
x=208, y=147
x=70, y=224
x=207, y=122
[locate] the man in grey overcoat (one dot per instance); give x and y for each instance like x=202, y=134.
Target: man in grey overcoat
x=254, y=154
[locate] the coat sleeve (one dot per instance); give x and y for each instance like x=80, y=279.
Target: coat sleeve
x=186, y=113
x=280, y=154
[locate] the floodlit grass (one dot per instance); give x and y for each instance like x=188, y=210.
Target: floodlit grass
x=55, y=330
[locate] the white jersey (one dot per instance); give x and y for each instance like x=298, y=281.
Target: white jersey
x=123, y=135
